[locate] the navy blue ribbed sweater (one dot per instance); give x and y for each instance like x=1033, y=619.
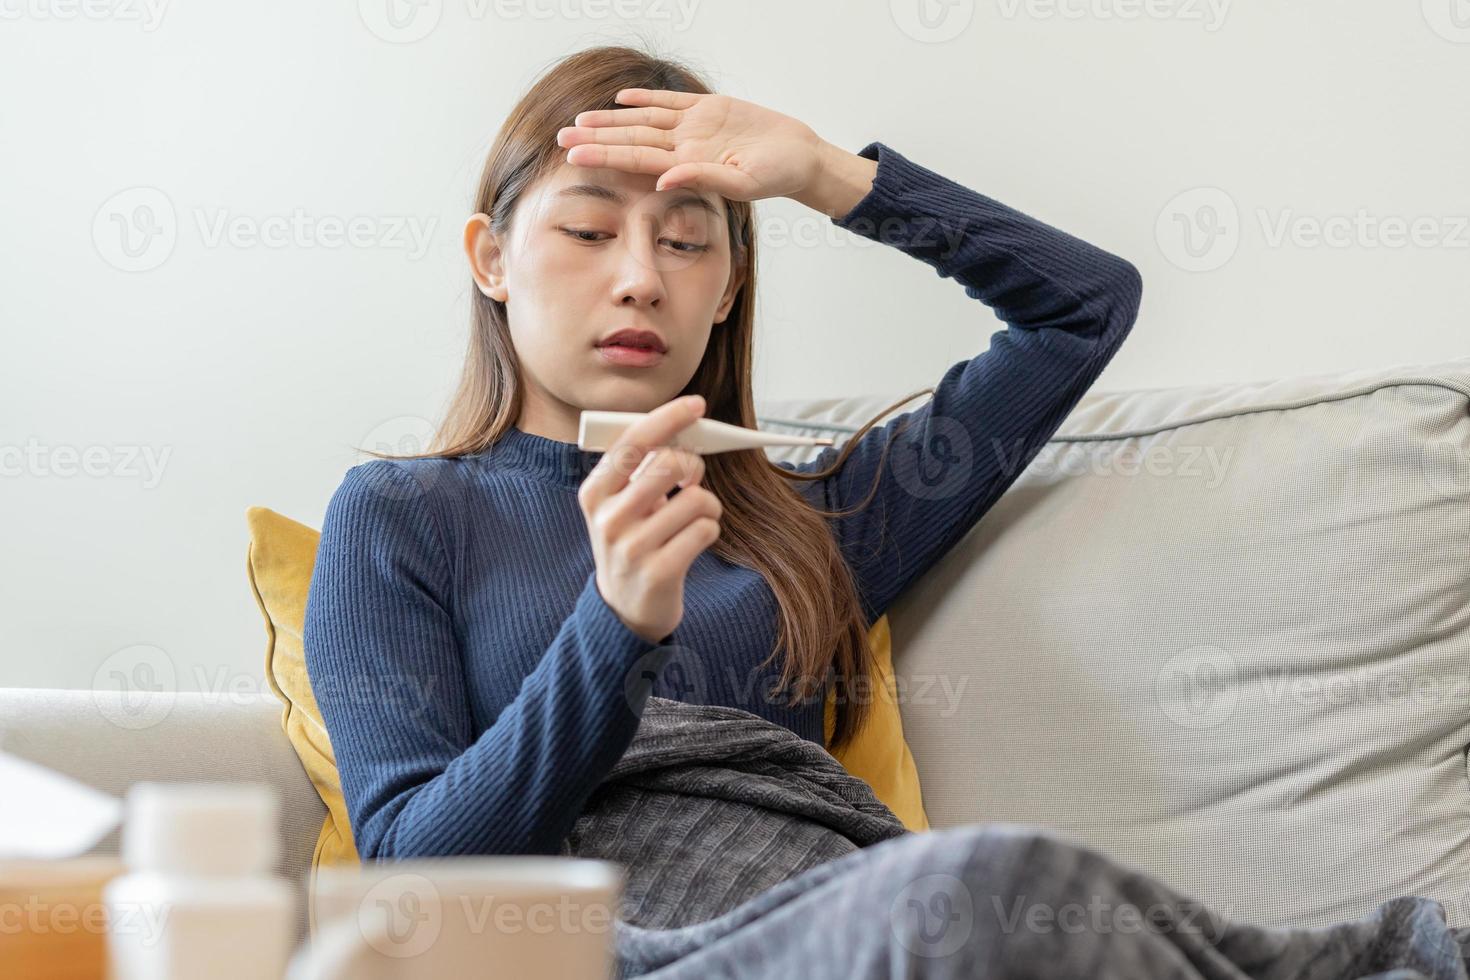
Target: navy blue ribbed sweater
x=476, y=687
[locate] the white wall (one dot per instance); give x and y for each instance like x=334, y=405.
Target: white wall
x=256, y=368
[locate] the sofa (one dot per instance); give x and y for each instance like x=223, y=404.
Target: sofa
x=1219, y=632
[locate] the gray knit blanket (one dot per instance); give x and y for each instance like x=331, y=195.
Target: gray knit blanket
x=711, y=805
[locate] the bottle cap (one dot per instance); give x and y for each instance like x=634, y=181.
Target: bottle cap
x=202, y=828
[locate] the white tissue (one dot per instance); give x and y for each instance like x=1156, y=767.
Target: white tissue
x=48, y=816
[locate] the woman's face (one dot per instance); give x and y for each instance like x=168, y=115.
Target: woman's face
x=593, y=251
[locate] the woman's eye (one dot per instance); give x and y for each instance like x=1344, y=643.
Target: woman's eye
x=678, y=246
x=687, y=246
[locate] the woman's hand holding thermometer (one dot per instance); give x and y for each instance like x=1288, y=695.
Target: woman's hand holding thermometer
x=643, y=542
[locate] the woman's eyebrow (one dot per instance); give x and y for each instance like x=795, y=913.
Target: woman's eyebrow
x=601, y=193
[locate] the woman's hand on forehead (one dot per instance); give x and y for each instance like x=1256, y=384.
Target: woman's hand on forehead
x=708, y=143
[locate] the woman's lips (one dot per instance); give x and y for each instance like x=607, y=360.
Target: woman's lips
x=630, y=356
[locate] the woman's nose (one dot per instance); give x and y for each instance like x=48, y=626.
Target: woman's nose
x=639, y=276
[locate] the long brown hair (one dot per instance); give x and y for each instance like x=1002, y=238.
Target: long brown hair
x=766, y=524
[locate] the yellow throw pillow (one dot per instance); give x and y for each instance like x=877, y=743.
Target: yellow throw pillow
x=282, y=554
x=879, y=755
x=281, y=557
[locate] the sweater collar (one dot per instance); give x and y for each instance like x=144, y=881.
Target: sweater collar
x=562, y=463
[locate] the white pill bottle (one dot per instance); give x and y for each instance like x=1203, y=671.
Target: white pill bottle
x=201, y=897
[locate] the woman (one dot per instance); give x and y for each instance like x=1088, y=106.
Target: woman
x=535, y=594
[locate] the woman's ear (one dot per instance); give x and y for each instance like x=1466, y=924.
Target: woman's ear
x=728, y=300
x=487, y=260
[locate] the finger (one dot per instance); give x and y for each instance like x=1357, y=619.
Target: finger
x=659, y=527
x=656, y=428
x=615, y=135
x=693, y=478
x=729, y=182
x=655, y=116
x=648, y=489
x=656, y=97
x=670, y=464
x=633, y=159
x=647, y=485
x=684, y=547
x=660, y=472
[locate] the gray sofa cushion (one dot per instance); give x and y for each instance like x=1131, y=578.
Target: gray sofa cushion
x=1221, y=631
x=102, y=738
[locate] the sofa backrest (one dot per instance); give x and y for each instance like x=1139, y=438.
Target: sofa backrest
x=110, y=738
x=1221, y=632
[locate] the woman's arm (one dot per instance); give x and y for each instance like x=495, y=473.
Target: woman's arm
x=386, y=668
x=1067, y=306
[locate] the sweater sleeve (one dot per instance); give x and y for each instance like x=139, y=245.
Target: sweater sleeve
x=386, y=667
x=1066, y=304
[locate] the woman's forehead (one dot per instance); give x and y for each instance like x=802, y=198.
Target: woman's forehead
x=621, y=189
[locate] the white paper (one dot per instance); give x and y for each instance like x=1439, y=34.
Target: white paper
x=46, y=815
